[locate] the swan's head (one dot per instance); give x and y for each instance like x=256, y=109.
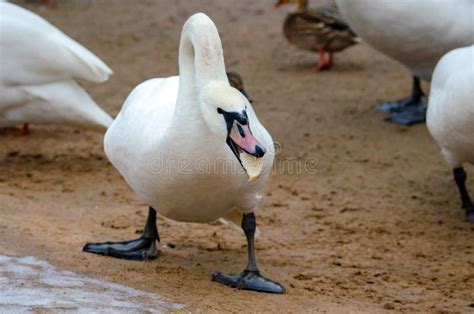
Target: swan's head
x=225, y=111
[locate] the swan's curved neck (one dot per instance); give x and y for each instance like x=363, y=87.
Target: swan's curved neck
x=201, y=61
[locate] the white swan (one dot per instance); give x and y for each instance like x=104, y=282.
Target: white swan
x=450, y=117
x=38, y=66
x=182, y=143
x=417, y=34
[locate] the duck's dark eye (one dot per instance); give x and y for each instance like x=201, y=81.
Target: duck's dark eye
x=220, y=111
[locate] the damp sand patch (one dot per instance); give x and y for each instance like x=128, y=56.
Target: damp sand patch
x=29, y=284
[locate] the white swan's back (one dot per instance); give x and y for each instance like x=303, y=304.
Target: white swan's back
x=416, y=33
x=38, y=65
x=38, y=52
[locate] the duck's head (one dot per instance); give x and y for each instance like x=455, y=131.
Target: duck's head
x=300, y=4
x=224, y=109
x=236, y=81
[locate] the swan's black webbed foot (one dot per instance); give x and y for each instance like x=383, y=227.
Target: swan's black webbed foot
x=250, y=278
x=138, y=249
x=407, y=111
x=470, y=214
x=412, y=115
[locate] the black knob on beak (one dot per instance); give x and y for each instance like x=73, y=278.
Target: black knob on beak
x=259, y=151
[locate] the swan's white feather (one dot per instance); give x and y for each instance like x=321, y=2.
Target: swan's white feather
x=34, y=51
x=450, y=116
x=52, y=102
x=38, y=66
x=416, y=33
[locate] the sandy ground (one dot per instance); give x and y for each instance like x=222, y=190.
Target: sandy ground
x=379, y=227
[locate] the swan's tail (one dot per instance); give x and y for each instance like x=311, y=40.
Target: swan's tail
x=65, y=102
x=93, y=68
x=49, y=53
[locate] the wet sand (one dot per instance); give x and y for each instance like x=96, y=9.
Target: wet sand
x=377, y=228
x=33, y=285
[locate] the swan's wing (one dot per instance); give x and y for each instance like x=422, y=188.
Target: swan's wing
x=33, y=51
x=57, y=102
x=143, y=120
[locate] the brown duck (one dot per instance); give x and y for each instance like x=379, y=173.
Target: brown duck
x=236, y=81
x=321, y=30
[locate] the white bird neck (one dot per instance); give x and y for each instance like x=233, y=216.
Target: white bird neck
x=201, y=62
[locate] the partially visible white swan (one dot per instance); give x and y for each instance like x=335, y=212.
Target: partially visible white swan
x=416, y=33
x=39, y=65
x=450, y=116
x=193, y=149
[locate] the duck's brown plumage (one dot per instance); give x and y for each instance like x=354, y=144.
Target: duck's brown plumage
x=314, y=29
x=236, y=81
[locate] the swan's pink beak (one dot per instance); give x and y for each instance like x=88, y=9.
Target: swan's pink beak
x=244, y=139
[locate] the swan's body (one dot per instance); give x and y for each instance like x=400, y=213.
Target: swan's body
x=182, y=143
x=415, y=33
x=150, y=136
x=39, y=65
x=450, y=116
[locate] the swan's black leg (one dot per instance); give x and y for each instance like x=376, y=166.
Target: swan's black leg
x=460, y=178
x=407, y=111
x=138, y=249
x=250, y=278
